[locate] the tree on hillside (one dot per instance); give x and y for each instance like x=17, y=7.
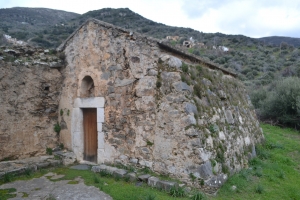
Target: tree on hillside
x=281, y=104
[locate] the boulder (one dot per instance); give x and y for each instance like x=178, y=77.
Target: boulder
x=182, y=86
x=174, y=62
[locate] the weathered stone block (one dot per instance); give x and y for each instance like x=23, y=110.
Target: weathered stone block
x=166, y=185
x=145, y=103
x=92, y=102
x=115, y=68
x=181, y=87
x=229, y=117
x=146, y=86
x=146, y=163
x=134, y=160
x=99, y=126
x=105, y=75
x=120, y=173
x=170, y=77
x=152, y=72
x=124, y=82
x=132, y=176
x=100, y=115
x=100, y=140
x=123, y=158
x=152, y=181
x=111, y=170
x=190, y=108
x=95, y=169
x=42, y=165
x=144, y=177
x=217, y=181
x=205, y=170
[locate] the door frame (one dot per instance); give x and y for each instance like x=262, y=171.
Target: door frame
x=77, y=129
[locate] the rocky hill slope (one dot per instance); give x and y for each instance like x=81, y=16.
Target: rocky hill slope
x=42, y=26
x=257, y=61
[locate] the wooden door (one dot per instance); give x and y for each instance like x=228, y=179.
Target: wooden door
x=90, y=134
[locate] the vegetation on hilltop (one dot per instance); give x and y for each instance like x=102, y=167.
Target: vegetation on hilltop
x=42, y=26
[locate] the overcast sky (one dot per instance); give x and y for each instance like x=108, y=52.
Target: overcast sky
x=254, y=18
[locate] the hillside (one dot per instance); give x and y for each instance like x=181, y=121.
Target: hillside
x=36, y=25
x=277, y=40
x=257, y=61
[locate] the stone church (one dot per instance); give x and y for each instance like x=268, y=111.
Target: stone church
x=122, y=98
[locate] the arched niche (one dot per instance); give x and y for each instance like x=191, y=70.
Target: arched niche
x=87, y=88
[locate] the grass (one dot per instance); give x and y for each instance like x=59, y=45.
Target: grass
x=5, y=193
x=273, y=174
x=117, y=189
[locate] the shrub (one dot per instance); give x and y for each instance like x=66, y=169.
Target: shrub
x=199, y=68
x=61, y=146
x=7, y=178
x=225, y=169
x=185, y=67
x=177, y=191
x=96, y=179
x=198, y=196
x=146, y=170
x=57, y=128
x=49, y=151
x=104, y=173
x=259, y=189
x=193, y=177
x=197, y=90
x=150, y=197
x=158, y=84
x=28, y=172
x=281, y=104
x=62, y=56
x=127, y=178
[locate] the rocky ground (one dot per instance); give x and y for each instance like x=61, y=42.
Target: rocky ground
x=46, y=187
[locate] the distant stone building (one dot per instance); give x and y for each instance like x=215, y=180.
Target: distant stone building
x=123, y=99
x=174, y=38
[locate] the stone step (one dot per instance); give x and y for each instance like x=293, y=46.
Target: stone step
x=17, y=167
x=120, y=173
x=144, y=177
x=151, y=181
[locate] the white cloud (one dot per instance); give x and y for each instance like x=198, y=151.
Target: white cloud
x=255, y=18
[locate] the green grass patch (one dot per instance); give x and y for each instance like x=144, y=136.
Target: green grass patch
x=273, y=174
x=25, y=195
x=6, y=193
x=118, y=190
x=73, y=182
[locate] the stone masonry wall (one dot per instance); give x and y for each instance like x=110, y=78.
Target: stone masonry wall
x=153, y=117
x=29, y=96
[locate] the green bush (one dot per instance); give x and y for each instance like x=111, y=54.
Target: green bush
x=7, y=177
x=49, y=151
x=57, y=128
x=259, y=189
x=281, y=104
x=185, y=68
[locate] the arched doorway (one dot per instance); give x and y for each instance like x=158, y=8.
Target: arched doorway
x=87, y=119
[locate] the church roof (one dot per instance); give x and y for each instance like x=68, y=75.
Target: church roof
x=160, y=43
